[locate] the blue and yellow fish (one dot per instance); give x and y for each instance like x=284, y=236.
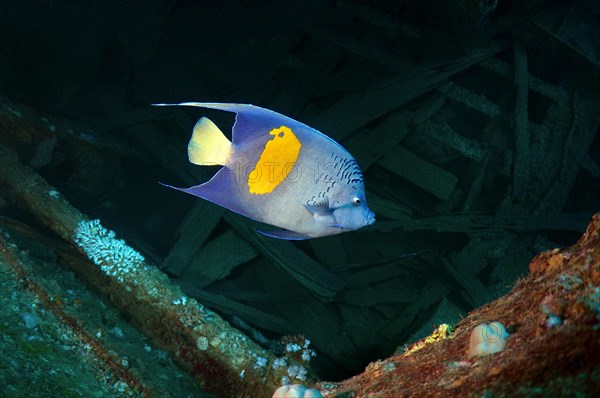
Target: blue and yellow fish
x=280, y=172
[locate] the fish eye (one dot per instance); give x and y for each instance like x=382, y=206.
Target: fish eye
x=356, y=201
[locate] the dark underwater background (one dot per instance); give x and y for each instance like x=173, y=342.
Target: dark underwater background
x=475, y=124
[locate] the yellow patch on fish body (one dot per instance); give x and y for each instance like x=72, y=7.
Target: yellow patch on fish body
x=276, y=161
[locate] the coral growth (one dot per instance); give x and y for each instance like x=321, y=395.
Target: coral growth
x=112, y=255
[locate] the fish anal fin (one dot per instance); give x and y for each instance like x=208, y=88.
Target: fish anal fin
x=285, y=234
x=221, y=189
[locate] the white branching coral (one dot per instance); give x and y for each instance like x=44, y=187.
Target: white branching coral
x=112, y=255
x=297, y=371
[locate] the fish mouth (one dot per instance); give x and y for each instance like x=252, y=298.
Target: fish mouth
x=370, y=218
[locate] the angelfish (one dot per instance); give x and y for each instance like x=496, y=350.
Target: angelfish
x=280, y=172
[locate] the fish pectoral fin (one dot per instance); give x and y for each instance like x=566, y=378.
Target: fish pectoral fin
x=320, y=209
x=285, y=234
x=322, y=213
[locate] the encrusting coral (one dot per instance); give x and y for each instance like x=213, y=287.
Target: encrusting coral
x=553, y=316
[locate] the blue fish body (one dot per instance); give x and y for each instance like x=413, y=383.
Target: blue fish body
x=280, y=172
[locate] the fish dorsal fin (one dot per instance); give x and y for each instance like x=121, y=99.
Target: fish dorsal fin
x=208, y=145
x=251, y=121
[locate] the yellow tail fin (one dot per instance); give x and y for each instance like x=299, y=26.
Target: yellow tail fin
x=208, y=145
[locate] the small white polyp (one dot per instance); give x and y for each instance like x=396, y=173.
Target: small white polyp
x=296, y=391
